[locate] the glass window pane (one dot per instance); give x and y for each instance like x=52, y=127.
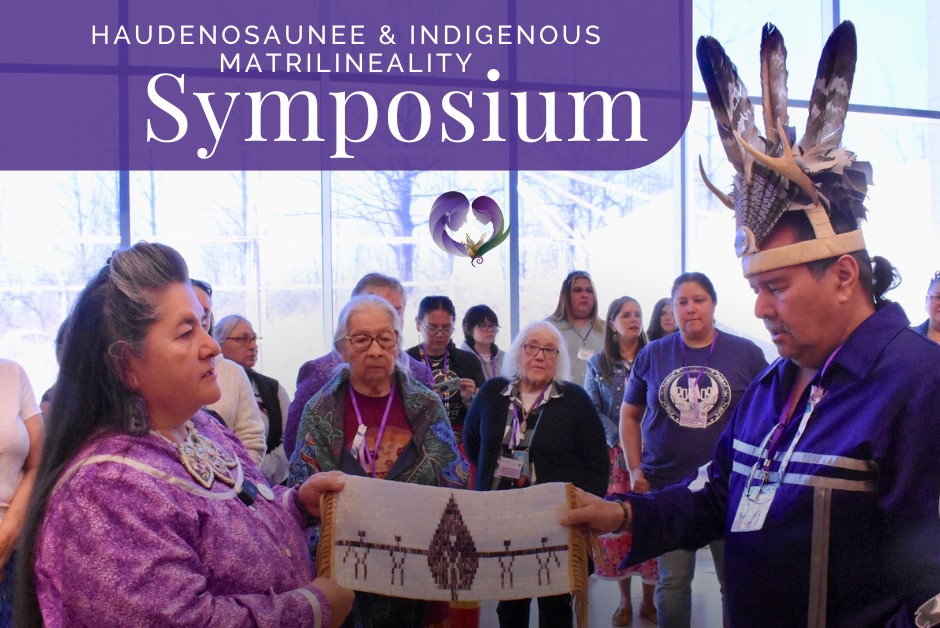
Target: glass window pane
x=893, y=72
x=57, y=229
x=380, y=224
x=737, y=25
x=620, y=226
x=256, y=237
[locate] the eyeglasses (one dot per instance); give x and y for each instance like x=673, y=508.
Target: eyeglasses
x=533, y=350
x=434, y=330
x=934, y=297
x=245, y=339
x=487, y=327
x=360, y=343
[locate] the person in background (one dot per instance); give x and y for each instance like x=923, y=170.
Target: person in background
x=681, y=393
x=374, y=419
x=147, y=511
x=606, y=379
x=237, y=407
x=457, y=374
x=576, y=317
x=314, y=374
x=662, y=322
x=931, y=326
x=480, y=326
x=529, y=427
x=48, y=397
x=21, y=428
x=239, y=343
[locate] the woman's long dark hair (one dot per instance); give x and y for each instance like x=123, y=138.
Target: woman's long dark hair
x=655, y=330
x=611, y=353
x=108, y=322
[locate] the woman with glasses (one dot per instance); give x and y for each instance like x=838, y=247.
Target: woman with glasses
x=480, y=326
x=239, y=343
x=457, y=374
x=606, y=378
x=576, y=318
x=662, y=322
x=931, y=326
x=530, y=426
x=374, y=419
x=681, y=393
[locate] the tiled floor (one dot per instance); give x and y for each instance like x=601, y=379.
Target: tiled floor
x=604, y=597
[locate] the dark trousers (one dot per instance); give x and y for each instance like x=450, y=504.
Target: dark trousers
x=554, y=612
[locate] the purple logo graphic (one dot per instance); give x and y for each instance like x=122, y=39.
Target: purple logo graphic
x=478, y=227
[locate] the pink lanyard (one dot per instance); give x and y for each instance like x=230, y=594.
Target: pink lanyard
x=518, y=429
x=367, y=457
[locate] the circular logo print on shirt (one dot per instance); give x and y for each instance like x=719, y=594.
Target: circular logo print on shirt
x=695, y=396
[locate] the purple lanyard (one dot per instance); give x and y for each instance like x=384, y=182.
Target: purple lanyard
x=491, y=372
x=688, y=375
x=424, y=355
x=785, y=418
x=517, y=427
x=366, y=456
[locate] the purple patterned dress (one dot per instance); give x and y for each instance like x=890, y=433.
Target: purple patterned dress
x=131, y=539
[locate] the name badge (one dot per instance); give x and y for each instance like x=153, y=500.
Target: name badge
x=509, y=468
x=753, y=507
x=358, y=440
x=692, y=417
x=584, y=353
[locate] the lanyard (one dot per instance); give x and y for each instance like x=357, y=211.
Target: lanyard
x=365, y=456
x=424, y=356
x=491, y=372
x=517, y=433
x=771, y=442
x=693, y=384
x=583, y=338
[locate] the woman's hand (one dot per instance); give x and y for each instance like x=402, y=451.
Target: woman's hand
x=638, y=482
x=341, y=600
x=594, y=513
x=468, y=388
x=310, y=492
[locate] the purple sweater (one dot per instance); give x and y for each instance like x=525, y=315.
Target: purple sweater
x=129, y=538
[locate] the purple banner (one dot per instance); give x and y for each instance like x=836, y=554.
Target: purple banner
x=352, y=85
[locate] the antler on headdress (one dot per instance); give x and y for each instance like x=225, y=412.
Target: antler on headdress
x=772, y=175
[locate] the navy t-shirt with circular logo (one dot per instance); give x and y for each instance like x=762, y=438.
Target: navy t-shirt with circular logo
x=689, y=395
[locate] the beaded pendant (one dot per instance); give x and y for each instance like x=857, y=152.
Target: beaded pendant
x=204, y=460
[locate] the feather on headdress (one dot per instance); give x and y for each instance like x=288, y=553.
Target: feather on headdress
x=773, y=176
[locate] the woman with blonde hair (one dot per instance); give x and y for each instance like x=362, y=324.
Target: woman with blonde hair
x=577, y=319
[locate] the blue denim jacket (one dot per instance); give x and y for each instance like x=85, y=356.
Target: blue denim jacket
x=607, y=396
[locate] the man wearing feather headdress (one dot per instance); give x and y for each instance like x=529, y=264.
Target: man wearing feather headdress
x=825, y=485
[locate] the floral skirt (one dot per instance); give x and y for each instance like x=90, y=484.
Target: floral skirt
x=616, y=546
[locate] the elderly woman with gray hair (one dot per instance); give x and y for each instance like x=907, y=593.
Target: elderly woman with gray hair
x=374, y=419
x=239, y=343
x=532, y=427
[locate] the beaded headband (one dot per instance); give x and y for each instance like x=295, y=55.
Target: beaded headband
x=816, y=176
